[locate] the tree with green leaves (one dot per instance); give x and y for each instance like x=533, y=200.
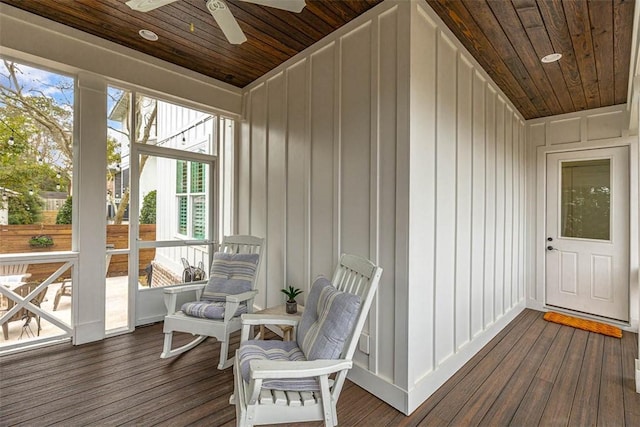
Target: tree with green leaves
x=65, y=212
x=145, y=114
x=44, y=124
x=40, y=124
x=148, y=211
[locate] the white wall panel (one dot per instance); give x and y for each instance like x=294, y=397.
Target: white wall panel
x=563, y=131
x=276, y=189
x=498, y=290
x=490, y=206
x=464, y=210
x=244, y=173
x=355, y=137
x=258, y=181
x=297, y=177
x=422, y=190
x=606, y=125
x=507, y=246
x=387, y=141
x=478, y=204
x=446, y=147
x=323, y=181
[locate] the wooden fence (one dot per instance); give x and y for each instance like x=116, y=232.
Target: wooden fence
x=15, y=239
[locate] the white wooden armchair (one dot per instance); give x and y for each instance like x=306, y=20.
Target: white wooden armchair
x=218, y=303
x=294, y=381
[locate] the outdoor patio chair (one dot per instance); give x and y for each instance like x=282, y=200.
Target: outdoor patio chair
x=289, y=381
x=13, y=273
x=216, y=310
x=65, y=289
x=23, y=314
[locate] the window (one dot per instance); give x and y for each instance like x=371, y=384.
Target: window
x=191, y=199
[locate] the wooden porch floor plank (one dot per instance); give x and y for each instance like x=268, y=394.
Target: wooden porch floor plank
x=510, y=395
x=57, y=379
x=584, y=410
x=487, y=394
x=611, y=403
x=204, y=410
x=439, y=394
x=65, y=353
x=98, y=373
x=90, y=400
x=172, y=398
x=448, y=408
x=631, y=398
x=558, y=408
x=534, y=401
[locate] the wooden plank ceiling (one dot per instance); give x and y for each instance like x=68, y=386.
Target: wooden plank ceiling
x=507, y=38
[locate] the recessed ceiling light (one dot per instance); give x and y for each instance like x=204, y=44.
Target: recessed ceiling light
x=148, y=35
x=552, y=57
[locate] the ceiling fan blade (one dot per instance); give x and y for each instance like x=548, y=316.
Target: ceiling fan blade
x=290, y=5
x=227, y=23
x=147, y=5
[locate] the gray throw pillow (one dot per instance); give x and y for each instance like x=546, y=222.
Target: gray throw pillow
x=230, y=274
x=328, y=320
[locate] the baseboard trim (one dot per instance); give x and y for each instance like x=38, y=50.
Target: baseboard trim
x=408, y=401
x=430, y=382
x=88, y=332
x=379, y=387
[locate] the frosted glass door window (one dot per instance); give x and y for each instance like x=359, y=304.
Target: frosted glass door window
x=586, y=199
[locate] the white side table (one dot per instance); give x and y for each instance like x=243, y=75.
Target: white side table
x=280, y=310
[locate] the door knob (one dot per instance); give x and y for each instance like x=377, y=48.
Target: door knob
x=550, y=239
x=551, y=248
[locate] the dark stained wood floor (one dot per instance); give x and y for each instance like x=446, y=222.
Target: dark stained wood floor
x=532, y=373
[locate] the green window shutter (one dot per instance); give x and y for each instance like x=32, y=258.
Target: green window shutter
x=182, y=214
x=198, y=219
x=197, y=177
x=181, y=176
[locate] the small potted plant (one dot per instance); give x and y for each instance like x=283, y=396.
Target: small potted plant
x=41, y=241
x=291, y=293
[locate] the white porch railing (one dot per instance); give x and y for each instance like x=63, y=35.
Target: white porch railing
x=69, y=260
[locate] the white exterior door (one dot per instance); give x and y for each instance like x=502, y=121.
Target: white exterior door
x=587, y=231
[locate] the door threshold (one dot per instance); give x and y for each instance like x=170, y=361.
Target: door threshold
x=626, y=326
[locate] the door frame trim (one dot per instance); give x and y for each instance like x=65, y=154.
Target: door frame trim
x=537, y=299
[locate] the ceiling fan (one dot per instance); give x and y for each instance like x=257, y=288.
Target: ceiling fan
x=221, y=13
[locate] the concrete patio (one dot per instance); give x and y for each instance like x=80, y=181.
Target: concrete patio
x=116, y=312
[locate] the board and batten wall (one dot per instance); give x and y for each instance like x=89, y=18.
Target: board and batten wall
x=387, y=140
x=596, y=128
x=466, y=206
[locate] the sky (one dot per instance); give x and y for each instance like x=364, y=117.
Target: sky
x=35, y=80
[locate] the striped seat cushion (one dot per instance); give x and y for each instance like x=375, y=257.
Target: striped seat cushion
x=209, y=309
x=230, y=274
x=275, y=350
x=327, y=321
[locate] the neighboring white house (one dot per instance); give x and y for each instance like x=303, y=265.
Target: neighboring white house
x=184, y=196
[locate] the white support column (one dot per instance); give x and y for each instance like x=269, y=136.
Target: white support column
x=89, y=215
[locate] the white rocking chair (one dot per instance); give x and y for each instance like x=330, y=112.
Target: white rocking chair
x=284, y=382
x=227, y=306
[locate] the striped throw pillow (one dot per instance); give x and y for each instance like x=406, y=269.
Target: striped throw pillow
x=209, y=309
x=327, y=321
x=230, y=274
x=275, y=350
